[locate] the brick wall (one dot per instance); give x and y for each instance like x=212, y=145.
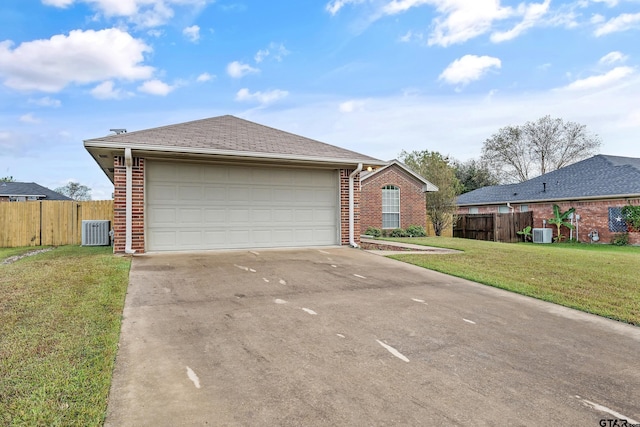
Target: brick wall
x=413, y=210
x=119, y=211
x=594, y=215
x=344, y=207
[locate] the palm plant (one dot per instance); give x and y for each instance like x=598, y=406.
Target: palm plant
x=561, y=219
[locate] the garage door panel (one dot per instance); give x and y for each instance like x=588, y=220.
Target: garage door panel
x=214, y=216
x=239, y=216
x=239, y=237
x=215, y=193
x=199, y=206
x=240, y=194
x=190, y=216
x=261, y=215
x=162, y=216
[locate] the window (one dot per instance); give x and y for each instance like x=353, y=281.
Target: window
x=390, y=206
x=524, y=208
x=473, y=211
x=503, y=209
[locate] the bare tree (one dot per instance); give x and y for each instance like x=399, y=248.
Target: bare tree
x=519, y=153
x=75, y=190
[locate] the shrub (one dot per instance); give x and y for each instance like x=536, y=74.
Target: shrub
x=416, y=231
x=398, y=232
x=620, y=239
x=373, y=231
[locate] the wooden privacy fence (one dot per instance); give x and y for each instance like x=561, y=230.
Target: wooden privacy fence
x=48, y=223
x=493, y=227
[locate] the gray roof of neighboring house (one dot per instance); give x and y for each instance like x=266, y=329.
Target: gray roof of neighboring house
x=228, y=136
x=29, y=189
x=600, y=176
x=427, y=185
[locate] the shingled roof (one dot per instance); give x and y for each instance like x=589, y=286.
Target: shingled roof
x=29, y=189
x=230, y=135
x=598, y=177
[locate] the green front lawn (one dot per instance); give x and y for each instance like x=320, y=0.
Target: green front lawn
x=599, y=279
x=60, y=315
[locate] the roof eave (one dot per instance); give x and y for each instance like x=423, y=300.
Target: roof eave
x=92, y=146
x=559, y=199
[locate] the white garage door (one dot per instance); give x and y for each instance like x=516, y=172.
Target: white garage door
x=204, y=206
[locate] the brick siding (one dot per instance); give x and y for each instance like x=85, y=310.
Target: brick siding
x=119, y=210
x=594, y=215
x=344, y=207
x=413, y=209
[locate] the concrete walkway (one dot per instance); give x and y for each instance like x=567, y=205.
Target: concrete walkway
x=402, y=248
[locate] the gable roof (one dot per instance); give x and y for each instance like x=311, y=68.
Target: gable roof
x=225, y=137
x=426, y=185
x=598, y=177
x=29, y=189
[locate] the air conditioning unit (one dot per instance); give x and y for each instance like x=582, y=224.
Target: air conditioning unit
x=542, y=235
x=96, y=233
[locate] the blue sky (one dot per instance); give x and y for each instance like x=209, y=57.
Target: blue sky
x=374, y=76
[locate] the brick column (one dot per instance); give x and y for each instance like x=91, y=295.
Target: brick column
x=344, y=207
x=119, y=209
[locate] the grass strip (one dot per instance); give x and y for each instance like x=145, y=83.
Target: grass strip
x=60, y=316
x=598, y=279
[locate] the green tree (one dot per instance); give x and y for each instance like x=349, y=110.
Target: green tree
x=519, y=153
x=434, y=167
x=474, y=174
x=7, y=179
x=75, y=190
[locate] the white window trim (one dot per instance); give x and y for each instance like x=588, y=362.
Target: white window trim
x=395, y=187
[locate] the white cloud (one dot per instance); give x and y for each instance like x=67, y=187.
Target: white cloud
x=469, y=68
x=46, y=102
x=238, y=70
x=156, y=87
x=609, y=3
x=334, y=6
x=82, y=57
x=595, y=82
x=596, y=18
x=145, y=13
x=532, y=14
x=276, y=50
x=205, y=77
x=107, y=90
x=612, y=58
x=351, y=106
x=29, y=118
x=624, y=22
x=192, y=33
x=261, y=97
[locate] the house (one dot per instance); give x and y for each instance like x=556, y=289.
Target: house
x=393, y=197
x=225, y=183
x=27, y=191
x=597, y=188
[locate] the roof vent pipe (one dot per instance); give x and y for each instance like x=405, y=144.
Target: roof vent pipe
x=544, y=187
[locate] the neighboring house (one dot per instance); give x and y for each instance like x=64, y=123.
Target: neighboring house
x=393, y=197
x=225, y=182
x=27, y=191
x=597, y=187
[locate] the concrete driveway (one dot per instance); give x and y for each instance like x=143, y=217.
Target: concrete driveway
x=339, y=336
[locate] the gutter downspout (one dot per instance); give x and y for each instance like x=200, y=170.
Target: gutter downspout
x=128, y=161
x=511, y=207
x=352, y=175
